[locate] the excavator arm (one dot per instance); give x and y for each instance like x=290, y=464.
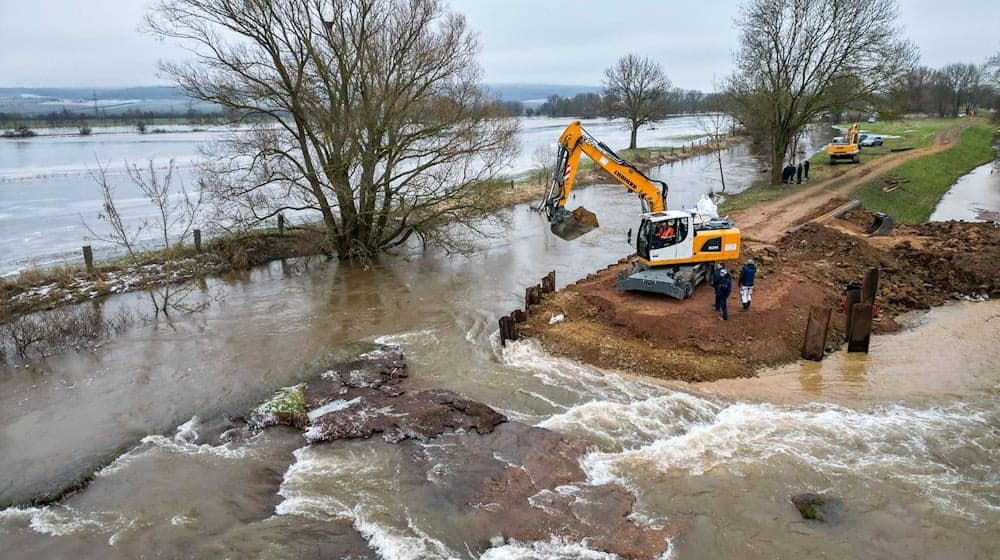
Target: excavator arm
x=574, y=142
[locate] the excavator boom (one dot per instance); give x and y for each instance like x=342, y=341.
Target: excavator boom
x=574, y=142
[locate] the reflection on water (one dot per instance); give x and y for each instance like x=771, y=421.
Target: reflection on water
x=975, y=197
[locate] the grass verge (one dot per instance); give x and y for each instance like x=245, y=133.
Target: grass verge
x=923, y=181
x=911, y=133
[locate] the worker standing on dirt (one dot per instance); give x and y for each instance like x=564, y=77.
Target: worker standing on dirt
x=725, y=288
x=805, y=170
x=747, y=275
x=798, y=174
x=723, y=284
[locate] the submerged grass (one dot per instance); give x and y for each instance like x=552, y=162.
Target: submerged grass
x=287, y=400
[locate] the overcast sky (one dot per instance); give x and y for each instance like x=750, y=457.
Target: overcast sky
x=96, y=42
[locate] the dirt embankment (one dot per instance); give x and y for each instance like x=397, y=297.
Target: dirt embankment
x=921, y=266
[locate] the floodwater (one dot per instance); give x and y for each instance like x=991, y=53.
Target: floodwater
x=975, y=197
x=907, y=437
x=47, y=191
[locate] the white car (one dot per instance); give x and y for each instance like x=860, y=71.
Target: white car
x=871, y=119
x=871, y=141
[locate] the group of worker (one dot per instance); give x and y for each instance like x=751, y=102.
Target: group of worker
x=723, y=284
x=795, y=173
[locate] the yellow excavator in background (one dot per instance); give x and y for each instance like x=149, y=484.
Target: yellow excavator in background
x=675, y=249
x=846, y=146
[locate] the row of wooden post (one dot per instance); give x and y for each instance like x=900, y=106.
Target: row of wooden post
x=88, y=251
x=858, y=320
x=532, y=296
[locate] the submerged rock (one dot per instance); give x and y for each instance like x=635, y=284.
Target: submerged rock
x=421, y=415
x=816, y=507
x=525, y=484
x=363, y=397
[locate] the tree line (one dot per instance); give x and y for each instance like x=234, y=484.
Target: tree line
x=594, y=105
x=378, y=123
x=67, y=118
x=799, y=61
x=956, y=88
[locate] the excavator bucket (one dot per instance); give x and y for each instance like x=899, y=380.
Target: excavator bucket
x=881, y=225
x=570, y=225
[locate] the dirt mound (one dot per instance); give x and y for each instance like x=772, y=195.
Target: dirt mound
x=585, y=217
x=648, y=334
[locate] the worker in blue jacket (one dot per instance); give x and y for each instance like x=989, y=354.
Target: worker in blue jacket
x=723, y=285
x=747, y=275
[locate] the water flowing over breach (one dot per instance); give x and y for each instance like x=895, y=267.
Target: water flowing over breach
x=903, y=445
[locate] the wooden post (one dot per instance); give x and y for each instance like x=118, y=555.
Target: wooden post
x=853, y=298
x=549, y=283
x=869, y=288
x=519, y=316
x=197, y=240
x=861, y=327
x=88, y=258
x=816, y=329
x=507, y=329
x=281, y=224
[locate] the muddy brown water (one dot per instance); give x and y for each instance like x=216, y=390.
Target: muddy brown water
x=907, y=438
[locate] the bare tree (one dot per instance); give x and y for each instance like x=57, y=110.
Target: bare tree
x=544, y=160
x=637, y=89
x=716, y=123
x=177, y=213
x=799, y=59
x=375, y=119
x=960, y=81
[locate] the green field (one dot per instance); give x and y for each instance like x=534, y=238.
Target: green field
x=911, y=133
x=928, y=178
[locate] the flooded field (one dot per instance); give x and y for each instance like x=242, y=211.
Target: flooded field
x=906, y=438
x=47, y=191
x=973, y=198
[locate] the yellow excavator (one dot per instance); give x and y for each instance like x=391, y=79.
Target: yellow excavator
x=675, y=249
x=846, y=146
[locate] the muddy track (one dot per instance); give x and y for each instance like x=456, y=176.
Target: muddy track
x=768, y=221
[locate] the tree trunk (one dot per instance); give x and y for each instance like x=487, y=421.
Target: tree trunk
x=779, y=148
x=631, y=142
x=718, y=154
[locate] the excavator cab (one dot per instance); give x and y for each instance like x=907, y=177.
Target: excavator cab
x=664, y=235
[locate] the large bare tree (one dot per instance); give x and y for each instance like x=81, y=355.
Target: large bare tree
x=960, y=82
x=368, y=113
x=637, y=89
x=798, y=59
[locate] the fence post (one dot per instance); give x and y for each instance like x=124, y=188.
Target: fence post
x=197, y=240
x=88, y=258
x=853, y=298
x=861, y=327
x=281, y=223
x=869, y=287
x=816, y=329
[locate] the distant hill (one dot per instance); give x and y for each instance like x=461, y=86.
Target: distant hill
x=537, y=92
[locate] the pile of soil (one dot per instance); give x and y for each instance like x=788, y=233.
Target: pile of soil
x=648, y=334
x=585, y=217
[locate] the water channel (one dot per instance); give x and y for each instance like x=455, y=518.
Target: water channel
x=908, y=437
